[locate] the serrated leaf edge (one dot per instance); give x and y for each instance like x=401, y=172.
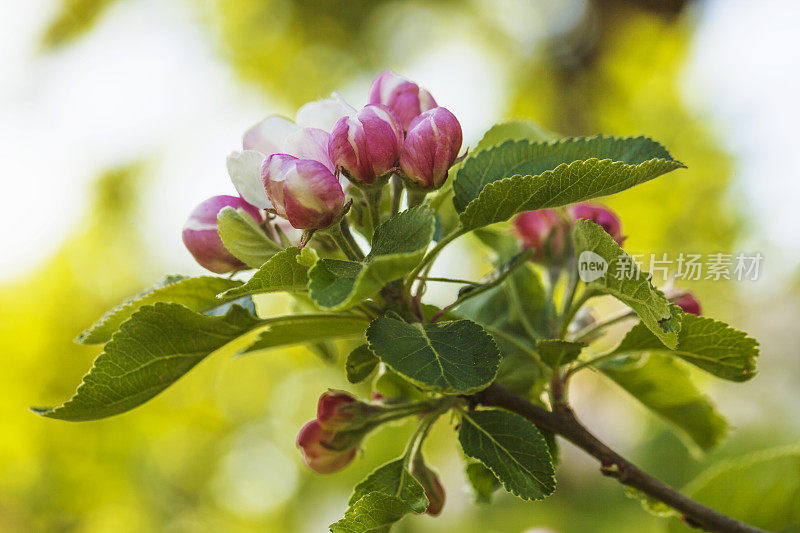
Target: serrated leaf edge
x=130, y=302
x=48, y=411
x=421, y=384
x=505, y=486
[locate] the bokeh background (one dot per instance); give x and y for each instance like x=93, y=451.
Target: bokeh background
x=115, y=120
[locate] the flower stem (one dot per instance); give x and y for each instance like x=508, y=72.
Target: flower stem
x=347, y=234
x=449, y=280
x=373, y=196
x=518, y=261
x=397, y=194
x=575, y=306
x=431, y=255
x=335, y=231
x=590, y=362
x=415, y=197
x=602, y=324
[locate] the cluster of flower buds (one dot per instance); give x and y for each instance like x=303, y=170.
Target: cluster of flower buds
x=287, y=166
x=291, y=167
x=401, y=124
x=330, y=441
x=547, y=230
x=201, y=238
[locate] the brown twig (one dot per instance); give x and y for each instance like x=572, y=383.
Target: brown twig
x=563, y=422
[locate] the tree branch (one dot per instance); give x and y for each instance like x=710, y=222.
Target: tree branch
x=564, y=423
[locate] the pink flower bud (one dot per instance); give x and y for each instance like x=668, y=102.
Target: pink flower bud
x=602, y=216
x=339, y=411
x=430, y=482
x=688, y=303
x=201, y=237
x=543, y=230
x=401, y=95
x=302, y=191
x=326, y=451
x=431, y=146
x=367, y=145
x=332, y=411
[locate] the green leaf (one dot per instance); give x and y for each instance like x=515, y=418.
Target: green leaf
x=519, y=372
x=665, y=387
x=294, y=329
x=198, y=294
x=395, y=388
x=626, y=282
x=281, y=272
x=704, y=342
x=242, y=236
x=483, y=482
x=360, y=364
x=393, y=479
x=374, y=513
x=157, y=345
x=449, y=357
x=517, y=307
x=762, y=489
x=398, y=246
x=512, y=448
x=517, y=176
x=512, y=130
x=555, y=352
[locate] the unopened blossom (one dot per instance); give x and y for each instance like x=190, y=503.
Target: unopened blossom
x=544, y=231
x=366, y=146
x=430, y=148
x=602, y=216
x=401, y=95
x=305, y=138
x=302, y=191
x=332, y=411
x=201, y=237
x=326, y=451
x=341, y=411
x=688, y=303
x=434, y=490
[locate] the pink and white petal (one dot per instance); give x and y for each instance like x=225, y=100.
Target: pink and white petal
x=323, y=114
x=244, y=168
x=309, y=143
x=273, y=175
x=312, y=195
x=268, y=135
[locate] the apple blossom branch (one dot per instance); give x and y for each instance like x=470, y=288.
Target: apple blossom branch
x=563, y=422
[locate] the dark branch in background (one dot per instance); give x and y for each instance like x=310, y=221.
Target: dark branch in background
x=564, y=423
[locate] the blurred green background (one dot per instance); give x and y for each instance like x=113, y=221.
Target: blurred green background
x=117, y=117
